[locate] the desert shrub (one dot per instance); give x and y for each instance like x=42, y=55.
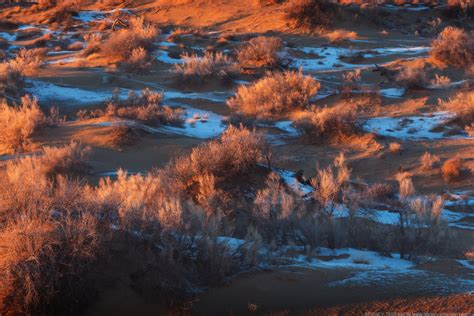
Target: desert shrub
x=405, y=184
x=41, y=257
x=277, y=94
x=458, y=8
x=421, y=228
x=462, y=105
x=328, y=122
x=453, y=46
x=236, y=152
x=146, y=107
x=428, y=161
x=440, y=81
x=121, y=43
x=139, y=61
x=261, y=51
x=451, y=169
x=18, y=124
x=395, y=148
x=411, y=78
x=210, y=65
x=11, y=79
x=29, y=61
x=311, y=14
x=93, y=43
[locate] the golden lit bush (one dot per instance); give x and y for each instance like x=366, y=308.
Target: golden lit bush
x=41, y=257
x=328, y=122
x=311, y=14
x=211, y=65
x=18, y=124
x=451, y=169
x=454, y=46
x=146, y=107
x=275, y=95
x=236, y=152
x=121, y=43
x=261, y=51
x=411, y=78
x=428, y=161
x=462, y=105
x=139, y=61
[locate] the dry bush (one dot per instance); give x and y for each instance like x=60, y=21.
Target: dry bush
x=440, y=81
x=462, y=105
x=93, y=43
x=11, y=79
x=236, y=152
x=458, y=8
x=411, y=78
x=451, y=169
x=261, y=51
x=29, y=61
x=211, y=65
x=429, y=161
x=139, y=61
x=18, y=124
x=121, y=43
x=454, y=46
x=311, y=14
x=41, y=257
x=327, y=123
x=277, y=94
x=405, y=183
x=146, y=107
x=421, y=228
x=395, y=148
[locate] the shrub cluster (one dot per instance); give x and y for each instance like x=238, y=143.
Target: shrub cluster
x=261, y=52
x=454, y=46
x=275, y=95
x=146, y=107
x=311, y=14
x=210, y=65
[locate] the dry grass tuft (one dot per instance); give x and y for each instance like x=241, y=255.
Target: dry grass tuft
x=411, y=78
x=277, y=94
x=454, y=46
x=146, y=107
x=123, y=42
x=462, y=105
x=311, y=14
x=261, y=51
x=395, y=148
x=451, y=169
x=139, y=61
x=327, y=123
x=429, y=161
x=18, y=124
x=211, y=65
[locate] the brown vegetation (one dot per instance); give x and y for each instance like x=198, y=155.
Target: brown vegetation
x=275, y=95
x=211, y=65
x=451, y=169
x=454, y=46
x=261, y=51
x=311, y=14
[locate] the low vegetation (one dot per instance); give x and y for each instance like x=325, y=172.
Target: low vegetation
x=462, y=105
x=310, y=15
x=429, y=161
x=451, y=169
x=325, y=123
x=275, y=95
x=211, y=65
x=454, y=46
x=261, y=52
x=146, y=107
x=18, y=124
x=123, y=42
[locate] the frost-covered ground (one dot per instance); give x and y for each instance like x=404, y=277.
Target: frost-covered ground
x=417, y=127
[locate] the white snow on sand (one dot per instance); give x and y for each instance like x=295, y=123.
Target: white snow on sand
x=48, y=91
x=289, y=178
x=393, y=92
x=409, y=128
x=8, y=37
x=164, y=57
